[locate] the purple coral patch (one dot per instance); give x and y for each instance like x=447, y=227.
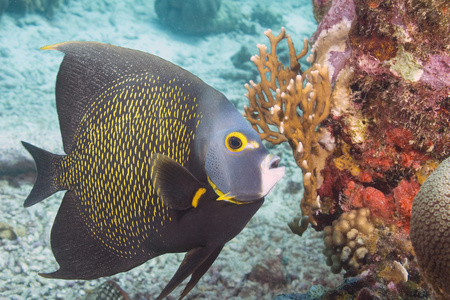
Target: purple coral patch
x=339, y=10
x=436, y=71
x=338, y=60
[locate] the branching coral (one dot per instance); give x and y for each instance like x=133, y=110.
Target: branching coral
x=281, y=108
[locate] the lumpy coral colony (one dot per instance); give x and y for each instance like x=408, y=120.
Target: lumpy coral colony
x=368, y=122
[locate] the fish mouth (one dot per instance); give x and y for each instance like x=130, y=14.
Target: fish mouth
x=271, y=173
x=273, y=163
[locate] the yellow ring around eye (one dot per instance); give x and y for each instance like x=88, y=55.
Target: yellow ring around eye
x=235, y=142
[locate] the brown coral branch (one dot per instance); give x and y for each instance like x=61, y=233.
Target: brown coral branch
x=281, y=108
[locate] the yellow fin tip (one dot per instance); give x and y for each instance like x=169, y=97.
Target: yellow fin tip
x=52, y=47
x=48, y=47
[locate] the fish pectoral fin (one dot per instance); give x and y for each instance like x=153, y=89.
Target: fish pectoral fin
x=175, y=185
x=196, y=262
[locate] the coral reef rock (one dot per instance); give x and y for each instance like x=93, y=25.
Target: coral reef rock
x=430, y=229
x=271, y=272
x=197, y=16
x=44, y=7
x=7, y=232
x=389, y=68
x=3, y=6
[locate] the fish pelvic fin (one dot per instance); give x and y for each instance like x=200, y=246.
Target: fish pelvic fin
x=47, y=181
x=200, y=271
x=196, y=262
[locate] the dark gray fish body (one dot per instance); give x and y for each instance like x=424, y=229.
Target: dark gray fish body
x=157, y=162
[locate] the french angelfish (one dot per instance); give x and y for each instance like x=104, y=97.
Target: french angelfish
x=156, y=162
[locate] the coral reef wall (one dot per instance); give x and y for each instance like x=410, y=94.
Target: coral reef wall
x=390, y=64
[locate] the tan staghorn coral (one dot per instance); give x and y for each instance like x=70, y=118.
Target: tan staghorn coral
x=283, y=108
x=430, y=229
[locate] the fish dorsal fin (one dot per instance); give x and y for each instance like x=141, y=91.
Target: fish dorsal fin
x=88, y=67
x=175, y=185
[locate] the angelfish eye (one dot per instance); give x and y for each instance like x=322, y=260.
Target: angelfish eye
x=235, y=142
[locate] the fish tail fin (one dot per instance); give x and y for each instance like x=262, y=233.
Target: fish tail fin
x=47, y=182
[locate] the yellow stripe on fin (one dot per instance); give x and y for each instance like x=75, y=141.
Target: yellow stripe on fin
x=197, y=196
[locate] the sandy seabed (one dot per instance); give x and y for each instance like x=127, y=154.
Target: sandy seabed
x=27, y=112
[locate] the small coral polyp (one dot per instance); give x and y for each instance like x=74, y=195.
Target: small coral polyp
x=345, y=240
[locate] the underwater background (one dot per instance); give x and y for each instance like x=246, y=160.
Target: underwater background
x=361, y=121
x=265, y=260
